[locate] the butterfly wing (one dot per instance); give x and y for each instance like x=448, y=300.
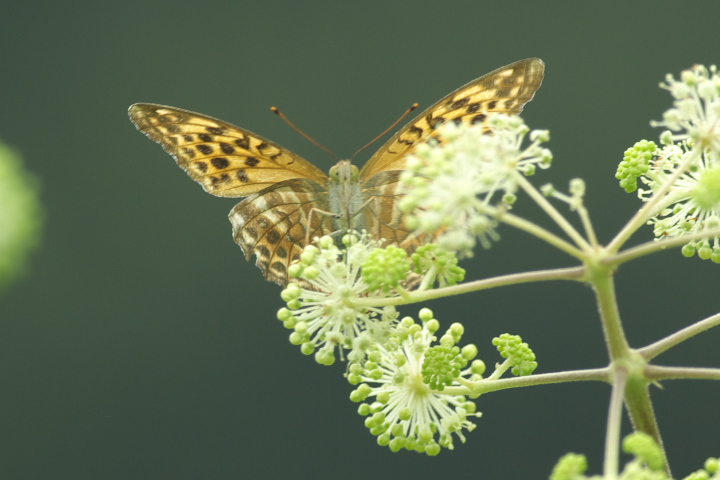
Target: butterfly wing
x=228, y=161
x=505, y=90
x=276, y=220
x=381, y=217
x=276, y=223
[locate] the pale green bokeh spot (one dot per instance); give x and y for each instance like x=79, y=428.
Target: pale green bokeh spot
x=20, y=216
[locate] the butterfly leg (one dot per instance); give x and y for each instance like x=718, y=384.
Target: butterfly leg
x=319, y=213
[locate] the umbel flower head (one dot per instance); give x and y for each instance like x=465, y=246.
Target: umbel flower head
x=458, y=183
x=695, y=116
x=333, y=308
x=405, y=376
x=686, y=169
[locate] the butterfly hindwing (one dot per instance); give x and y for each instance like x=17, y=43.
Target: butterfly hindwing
x=275, y=224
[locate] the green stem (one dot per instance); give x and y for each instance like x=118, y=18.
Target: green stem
x=541, y=233
x=657, y=246
x=572, y=273
x=612, y=434
x=587, y=224
x=658, y=372
x=543, y=203
x=662, y=345
x=637, y=397
x=604, y=287
x=642, y=414
x=487, y=386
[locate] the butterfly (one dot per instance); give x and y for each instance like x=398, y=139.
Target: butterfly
x=289, y=200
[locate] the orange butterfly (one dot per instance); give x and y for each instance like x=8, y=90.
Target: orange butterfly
x=289, y=199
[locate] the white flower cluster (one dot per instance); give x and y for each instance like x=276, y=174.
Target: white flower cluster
x=695, y=115
x=331, y=310
x=456, y=184
x=686, y=170
x=330, y=314
x=407, y=413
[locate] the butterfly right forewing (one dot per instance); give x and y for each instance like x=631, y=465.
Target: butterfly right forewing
x=505, y=90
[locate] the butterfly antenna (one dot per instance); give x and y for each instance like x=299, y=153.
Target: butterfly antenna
x=407, y=112
x=295, y=127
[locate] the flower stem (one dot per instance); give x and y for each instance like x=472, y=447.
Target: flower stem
x=658, y=372
x=657, y=246
x=543, y=203
x=623, y=359
x=604, y=287
x=612, y=434
x=642, y=414
x=416, y=296
x=486, y=386
x=655, y=349
x=587, y=224
x=539, y=232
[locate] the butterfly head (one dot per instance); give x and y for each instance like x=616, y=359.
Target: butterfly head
x=344, y=172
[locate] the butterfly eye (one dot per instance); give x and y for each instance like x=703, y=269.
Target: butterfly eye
x=334, y=172
x=354, y=172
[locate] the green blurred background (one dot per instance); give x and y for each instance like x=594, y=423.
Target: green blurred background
x=142, y=345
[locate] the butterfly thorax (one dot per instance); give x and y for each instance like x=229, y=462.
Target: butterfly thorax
x=345, y=197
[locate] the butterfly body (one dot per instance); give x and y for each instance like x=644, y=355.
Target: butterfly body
x=289, y=200
x=346, y=198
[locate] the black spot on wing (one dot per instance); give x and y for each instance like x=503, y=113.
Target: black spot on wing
x=242, y=176
x=220, y=163
x=273, y=236
x=215, y=130
x=243, y=143
x=204, y=149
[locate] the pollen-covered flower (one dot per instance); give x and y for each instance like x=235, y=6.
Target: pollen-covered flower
x=695, y=116
x=683, y=176
x=327, y=311
x=458, y=183
x=407, y=412
x=692, y=204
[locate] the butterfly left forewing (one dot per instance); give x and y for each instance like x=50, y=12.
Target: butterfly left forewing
x=505, y=90
x=226, y=160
